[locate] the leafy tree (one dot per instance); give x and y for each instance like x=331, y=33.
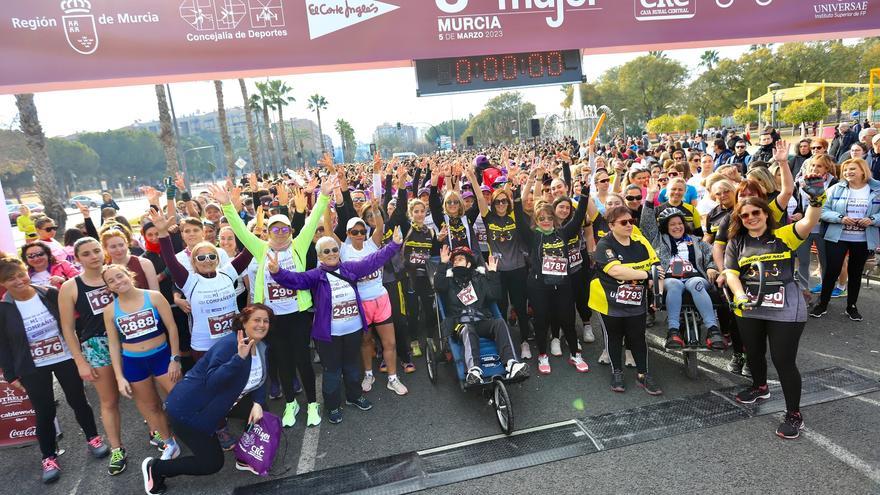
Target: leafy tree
x=856, y=102
x=644, y=85
x=709, y=58
x=499, y=118
x=349, y=143
x=75, y=163
x=14, y=162
x=126, y=153
x=745, y=115
x=279, y=93
x=445, y=128
x=714, y=121
x=662, y=125
x=316, y=104
x=798, y=112
x=686, y=123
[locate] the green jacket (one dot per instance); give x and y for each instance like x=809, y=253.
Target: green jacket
x=259, y=248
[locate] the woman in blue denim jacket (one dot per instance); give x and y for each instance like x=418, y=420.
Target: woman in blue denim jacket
x=851, y=216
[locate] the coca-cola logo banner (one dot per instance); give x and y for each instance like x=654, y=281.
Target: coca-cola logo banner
x=17, y=416
x=51, y=44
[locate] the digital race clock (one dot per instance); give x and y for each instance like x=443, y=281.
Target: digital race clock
x=453, y=75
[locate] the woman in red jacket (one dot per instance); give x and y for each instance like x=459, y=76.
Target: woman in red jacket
x=43, y=268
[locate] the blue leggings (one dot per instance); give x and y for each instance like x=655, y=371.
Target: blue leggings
x=696, y=286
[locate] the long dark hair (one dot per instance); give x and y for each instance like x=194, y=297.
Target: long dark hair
x=42, y=245
x=736, y=222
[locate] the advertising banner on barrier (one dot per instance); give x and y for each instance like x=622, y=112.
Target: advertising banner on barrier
x=54, y=44
x=18, y=423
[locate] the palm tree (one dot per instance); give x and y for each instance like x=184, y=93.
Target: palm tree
x=346, y=134
x=224, y=130
x=252, y=135
x=44, y=174
x=658, y=54
x=316, y=104
x=262, y=102
x=280, y=94
x=166, y=135
x=709, y=58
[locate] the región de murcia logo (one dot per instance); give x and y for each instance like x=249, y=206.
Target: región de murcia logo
x=79, y=26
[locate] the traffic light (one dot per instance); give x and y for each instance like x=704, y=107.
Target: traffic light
x=398, y=126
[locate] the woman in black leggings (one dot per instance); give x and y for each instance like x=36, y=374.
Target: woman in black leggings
x=782, y=314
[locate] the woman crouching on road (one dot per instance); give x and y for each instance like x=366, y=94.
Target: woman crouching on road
x=230, y=380
x=339, y=316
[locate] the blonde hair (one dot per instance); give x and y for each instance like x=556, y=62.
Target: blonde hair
x=453, y=195
x=115, y=266
x=412, y=204
x=862, y=164
x=199, y=246
x=763, y=176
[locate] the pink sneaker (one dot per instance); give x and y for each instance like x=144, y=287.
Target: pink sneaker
x=579, y=364
x=51, y=470
x=543, y=364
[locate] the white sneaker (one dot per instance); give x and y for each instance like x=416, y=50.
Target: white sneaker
x=588, y=333
x=172, y=450
x=517, y=370
x=543, y=364
x=397, y=387
x=630, y=362
x=367, y=383
x=604, y=358
x=555, y=348
x=578, y=362
x=525, y=351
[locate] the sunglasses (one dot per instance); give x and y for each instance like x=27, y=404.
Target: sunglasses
x=453, y=202
x=817, y=147
x=499, y=202
x=634, y=198
x=545, y=219
x=603, y=181
x=740, y=147
x=628, y=221
x=329, y=250
x=206, y=257
x=357, y=232
x=50, y=229
x=695, y=160
x=34, y=256
x=280, y=230
x=662, y=179
x=747, y=214
x=673, y=174
x=358, y=200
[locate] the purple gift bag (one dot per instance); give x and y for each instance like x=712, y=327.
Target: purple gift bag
x=257, y=447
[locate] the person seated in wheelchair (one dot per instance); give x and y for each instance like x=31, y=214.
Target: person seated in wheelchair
x=467, y=292
x=687, y=265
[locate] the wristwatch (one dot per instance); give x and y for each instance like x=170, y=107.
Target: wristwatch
x=175, y=358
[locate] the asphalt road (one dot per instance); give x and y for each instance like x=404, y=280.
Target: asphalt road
x=838, y=453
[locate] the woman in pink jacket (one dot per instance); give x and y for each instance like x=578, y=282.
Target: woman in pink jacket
x=44, y=268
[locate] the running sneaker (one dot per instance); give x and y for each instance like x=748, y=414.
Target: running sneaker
x=335, y=416
x=604, y=358
x=817, y=289
x=617, y=382
x=97, y=447
x=409, y=368
x=172, y=450
x=838, y=292
x=714, y=339
x=525, y=351
x=543, y=364
x=578, y=362
x=517, y=370
x=474, y=376
x=395, y=385
x=853, y=313
x=153, y=485
x=383, y=367
x=416, y=348
x=629, y=360
x=588, y=336
x=51, y=470
x=555, y=347
x=650, y=320
x=752, y=394
x=791, y=426
x=156, y=441
x=647, y=382
x=274, y=389
x=297, y=386
x=819, y=310
x=314, y=415
x=361, y=403
x=227, y=441
x=290, y=412
x=367, y=382
x=674, y=340
x=117, y=461
x=243, y=466
x=736, y=363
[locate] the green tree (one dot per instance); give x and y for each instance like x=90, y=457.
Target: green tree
x=663, y=124
x=644, y=85
x=14, y=162
x=229, y=155
x=280, y=96
x=75, y=163
x=714, y=121
x=499, y=118
x=454, y=130
x=126, y=153
x=745, y=115
x=709, y=58
x=686, y=123
x=261, y=103
x=798, y=112
x=349, y=144
x=316, y=104
x=166, y=134
x=857, y=102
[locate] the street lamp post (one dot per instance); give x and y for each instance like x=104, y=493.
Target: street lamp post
x=623, y=113
x=772, y=89
x=194, y=149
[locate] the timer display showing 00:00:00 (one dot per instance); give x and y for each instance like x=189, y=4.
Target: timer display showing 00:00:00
x=504, y=68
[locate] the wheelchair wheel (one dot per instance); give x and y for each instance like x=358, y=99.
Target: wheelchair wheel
x=690, y=364
x=431, y=360
x=503, y=408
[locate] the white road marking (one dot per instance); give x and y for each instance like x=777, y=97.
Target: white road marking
x=861, y=398
x=704, y=356
x=843, y=455
x=850, y=361
x=495, y=437
x=312, y=436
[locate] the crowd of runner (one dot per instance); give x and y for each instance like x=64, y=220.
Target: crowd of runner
x=214, y=300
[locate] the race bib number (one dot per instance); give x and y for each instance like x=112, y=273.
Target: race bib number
x=554, y=265
x=468, y=295
x=418, y=258
x=680, y=268
x=853, y=228
x=98, y=298
x=372, y=276
x=220, y=325
x=629, y=294
x=137, y=324
x=278, y=293
x=773, y=300
x=482, y=236
x=46, y=349
x=345, y=310
x=575, y=257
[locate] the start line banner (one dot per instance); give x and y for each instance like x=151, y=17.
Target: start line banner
x=68, y=44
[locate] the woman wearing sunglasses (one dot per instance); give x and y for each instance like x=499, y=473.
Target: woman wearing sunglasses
x=619, y=293
x=449, y=212
x=340, y=319
x=43, y=268
x=548, y=284
x=782, y=314
x=292, y=323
